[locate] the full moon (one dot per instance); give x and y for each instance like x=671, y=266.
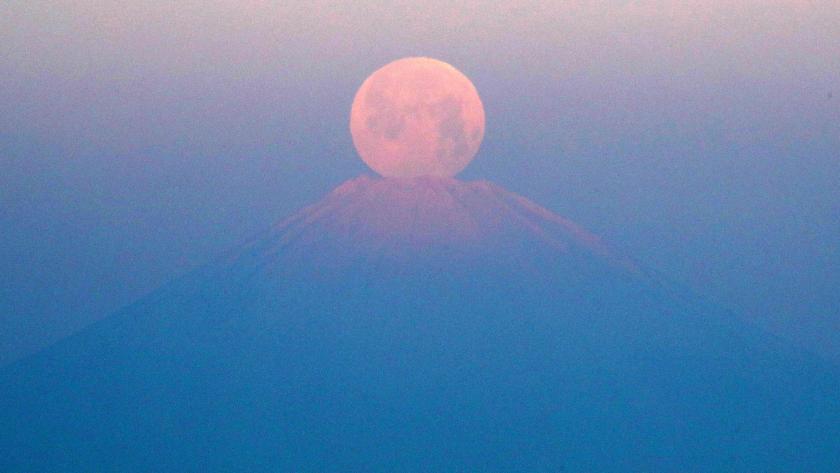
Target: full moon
x=417, y=117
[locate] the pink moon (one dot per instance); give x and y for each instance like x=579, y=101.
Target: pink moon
x=417, y=117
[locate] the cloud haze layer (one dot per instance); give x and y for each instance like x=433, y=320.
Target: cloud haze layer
x=139, y=139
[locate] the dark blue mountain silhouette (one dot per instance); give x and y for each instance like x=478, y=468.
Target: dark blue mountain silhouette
x=421, y=325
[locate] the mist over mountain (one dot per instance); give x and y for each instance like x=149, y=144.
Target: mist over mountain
x=422, y=324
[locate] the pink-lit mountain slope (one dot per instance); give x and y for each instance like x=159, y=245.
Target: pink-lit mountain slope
x=415, y=224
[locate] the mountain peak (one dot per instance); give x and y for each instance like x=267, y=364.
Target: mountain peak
x=421, y=220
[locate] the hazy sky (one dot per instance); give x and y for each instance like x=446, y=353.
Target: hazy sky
x=139, y=139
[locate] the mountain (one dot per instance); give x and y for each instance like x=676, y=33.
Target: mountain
x=422, y=324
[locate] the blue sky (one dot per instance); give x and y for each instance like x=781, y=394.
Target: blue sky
x=140, y=139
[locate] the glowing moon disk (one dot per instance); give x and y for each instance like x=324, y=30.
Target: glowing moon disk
x=417, y=117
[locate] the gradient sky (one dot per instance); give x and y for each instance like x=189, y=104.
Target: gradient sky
x=139, y=139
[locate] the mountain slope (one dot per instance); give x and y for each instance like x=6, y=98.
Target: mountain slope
x=420, y=325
